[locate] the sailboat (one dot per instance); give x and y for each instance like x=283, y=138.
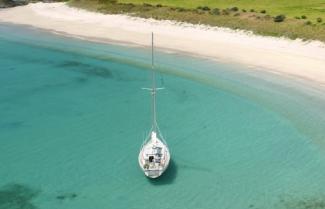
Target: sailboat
x=154, y=154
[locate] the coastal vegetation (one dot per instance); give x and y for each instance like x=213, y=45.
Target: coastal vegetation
x=14, y=3
x=296, y=20
x=291, y=8
x=291, y=18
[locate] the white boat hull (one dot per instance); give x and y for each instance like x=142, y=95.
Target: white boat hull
x=154, y=157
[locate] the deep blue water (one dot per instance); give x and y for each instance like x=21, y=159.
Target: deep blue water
x=73, y=117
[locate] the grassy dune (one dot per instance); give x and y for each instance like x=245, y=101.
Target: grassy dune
x=294, y=22
x=291, y=8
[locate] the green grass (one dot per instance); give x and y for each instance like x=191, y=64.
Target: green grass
x=291, y=8
x=186, y=11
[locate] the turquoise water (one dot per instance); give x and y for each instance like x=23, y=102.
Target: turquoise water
x=73, y=117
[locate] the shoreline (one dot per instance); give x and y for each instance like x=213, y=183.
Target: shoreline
x=291, y=58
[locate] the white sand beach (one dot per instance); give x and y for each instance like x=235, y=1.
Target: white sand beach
x=292, y=58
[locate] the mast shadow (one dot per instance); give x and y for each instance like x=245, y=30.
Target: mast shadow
x=167, y=177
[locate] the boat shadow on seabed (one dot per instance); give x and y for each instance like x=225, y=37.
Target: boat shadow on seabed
x=168, y=176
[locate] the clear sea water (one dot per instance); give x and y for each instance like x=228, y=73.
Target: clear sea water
x=73, y=117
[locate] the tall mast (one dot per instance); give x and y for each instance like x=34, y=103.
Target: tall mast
x=154, y=90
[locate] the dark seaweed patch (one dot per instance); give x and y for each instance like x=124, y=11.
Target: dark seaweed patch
x=303, y=203
x=81, y=80
x=67, y=196
x=11, y=125
x=17, y=196
x=87, y=69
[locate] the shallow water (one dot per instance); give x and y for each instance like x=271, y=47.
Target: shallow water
x=73, y=117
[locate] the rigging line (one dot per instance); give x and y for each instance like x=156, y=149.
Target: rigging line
x=154, y=117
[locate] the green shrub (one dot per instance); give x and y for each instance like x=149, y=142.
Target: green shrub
x=198, y=11
x=308, y=22
x=234, y=9
x=181, y=9
x=215, y=11
x=319, y=20
x=243, y=10
x=263, y=11
x=108, y=1
x=225, y=12
x=129, y=5
x=147, y=5
x=297, y=17
x=158, y=5
x=205, y=8
x=303, y=17
x=252, y=10
x=279, y=18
